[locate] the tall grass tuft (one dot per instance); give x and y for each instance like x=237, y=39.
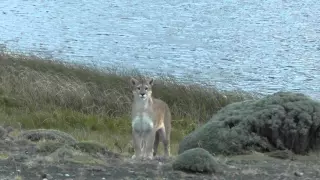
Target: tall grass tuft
x=42, y=93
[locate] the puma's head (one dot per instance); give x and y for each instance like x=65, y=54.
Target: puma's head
x=142, y=89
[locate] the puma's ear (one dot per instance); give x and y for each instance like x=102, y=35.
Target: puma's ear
x=150, y=81
x=133, y=81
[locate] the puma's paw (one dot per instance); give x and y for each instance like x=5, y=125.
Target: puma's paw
x=149, y=157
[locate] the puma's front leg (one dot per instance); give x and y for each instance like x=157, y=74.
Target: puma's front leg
x=150, y=138
x=136, y=140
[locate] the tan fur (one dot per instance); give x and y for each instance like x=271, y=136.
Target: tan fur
x=151, y=121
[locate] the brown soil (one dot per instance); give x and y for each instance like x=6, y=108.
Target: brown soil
x=238, y=170
x=21, y=159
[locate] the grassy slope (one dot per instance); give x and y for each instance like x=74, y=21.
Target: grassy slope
x=93, y=104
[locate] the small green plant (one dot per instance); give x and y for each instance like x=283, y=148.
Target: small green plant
x=17, y=178
x=4, y=156
x=196, y=160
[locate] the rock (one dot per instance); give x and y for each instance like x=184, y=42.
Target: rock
x=19, y=158
x=48, y=147
x=3, y=133
x=90, y=147
x=298, y=174
x=69, y=154
x=281, y=154
x=7, y=145
x=9, y=129
x=196, y=160
x=279, y=121
x=93, y=148
x=47, y=134
x=22, y=142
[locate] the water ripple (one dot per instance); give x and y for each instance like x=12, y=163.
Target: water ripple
x=262, y=46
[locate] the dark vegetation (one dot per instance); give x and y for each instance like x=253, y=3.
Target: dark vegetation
x=196, y=160
x=281, y=121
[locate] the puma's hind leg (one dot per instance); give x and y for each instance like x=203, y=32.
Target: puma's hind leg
x=156, y=143
x=166, y=144
x=164, y=137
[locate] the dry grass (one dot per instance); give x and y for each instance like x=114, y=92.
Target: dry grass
x=94, y=104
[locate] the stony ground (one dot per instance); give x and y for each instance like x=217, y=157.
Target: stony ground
x=238, y=169
x=30, y=160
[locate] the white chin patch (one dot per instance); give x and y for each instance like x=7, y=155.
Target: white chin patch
x=143, y=97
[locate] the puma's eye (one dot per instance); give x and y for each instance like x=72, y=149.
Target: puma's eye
x=138, y=88
x=146, y=88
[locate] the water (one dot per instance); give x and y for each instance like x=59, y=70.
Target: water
x=253, y=45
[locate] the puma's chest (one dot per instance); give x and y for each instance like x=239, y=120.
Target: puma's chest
x=142, y=123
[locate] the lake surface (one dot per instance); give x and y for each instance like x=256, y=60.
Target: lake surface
x=253, y=45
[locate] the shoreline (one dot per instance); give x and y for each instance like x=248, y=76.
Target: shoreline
x=179, y=80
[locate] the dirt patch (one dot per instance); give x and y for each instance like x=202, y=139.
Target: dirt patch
x=127, y=169
x=51, y=159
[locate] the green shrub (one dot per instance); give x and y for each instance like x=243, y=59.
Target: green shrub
x=196, y=160
x=280, y=121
